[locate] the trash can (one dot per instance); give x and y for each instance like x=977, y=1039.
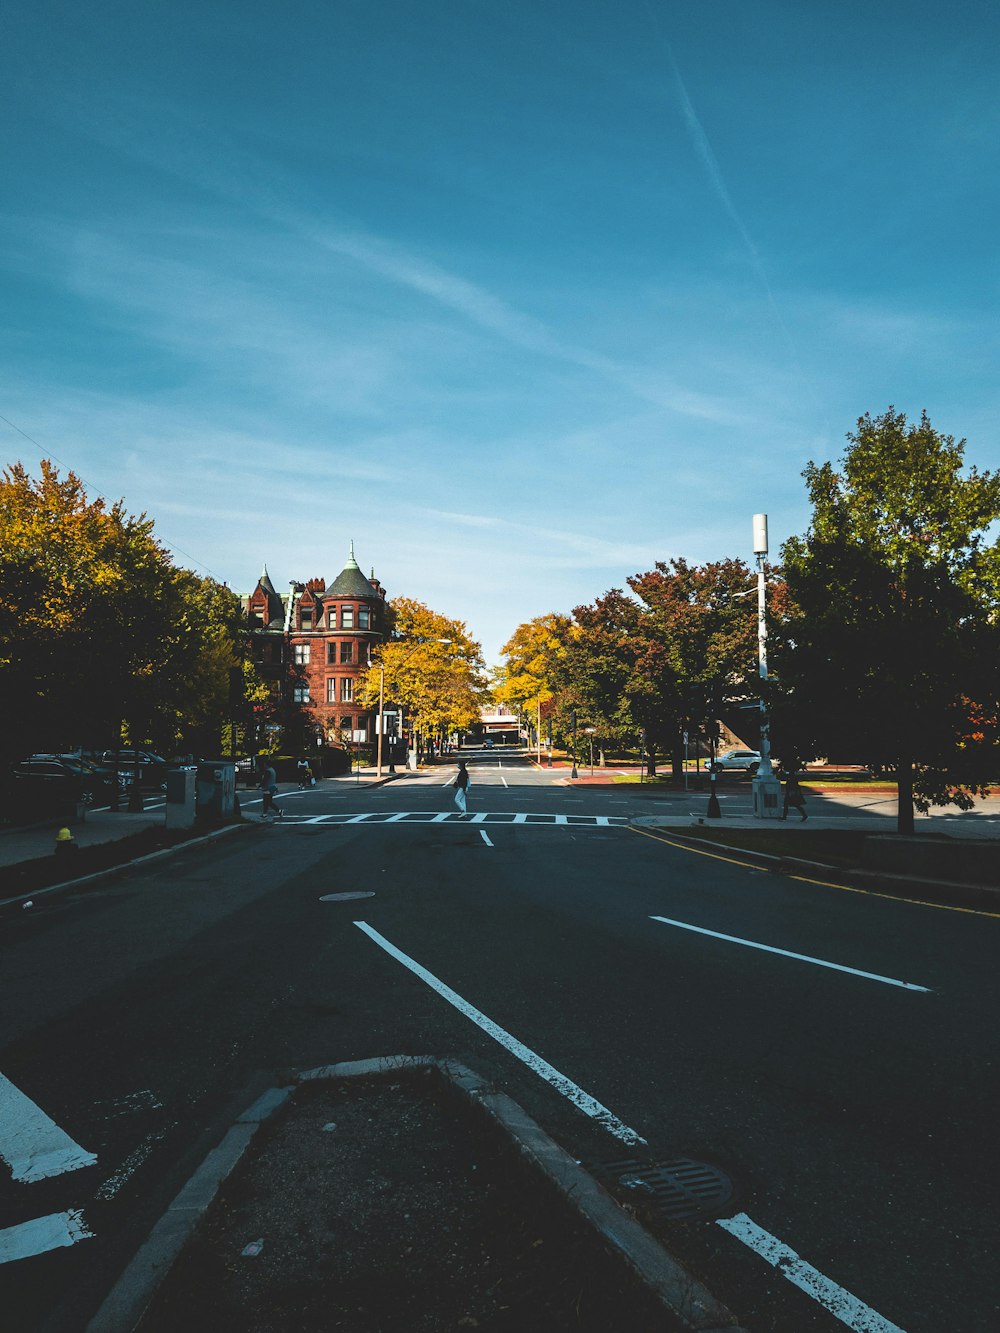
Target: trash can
x=215, y=789
x=180, y=795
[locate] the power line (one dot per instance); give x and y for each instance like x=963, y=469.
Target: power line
x=48, y=454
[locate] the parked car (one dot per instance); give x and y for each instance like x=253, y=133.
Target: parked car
x=152, y=767
x=51, y=777
x=738, y=761
x=488, y=743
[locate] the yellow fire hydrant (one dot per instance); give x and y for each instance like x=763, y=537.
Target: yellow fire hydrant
x=66, y=844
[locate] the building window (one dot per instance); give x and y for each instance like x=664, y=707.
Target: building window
x=331, y=690
x=347, y=652
x=305, y=618
x=301, y=651
x=346, y=690
x=346, y=725
x=364, y=617
x=301, y=694
x=331, y=654
x=332, y=617
x=347, y=617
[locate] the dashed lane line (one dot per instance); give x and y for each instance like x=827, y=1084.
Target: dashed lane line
x=787, y=953
x=841, y=1303
x=858, y=1316
x=582, y=1100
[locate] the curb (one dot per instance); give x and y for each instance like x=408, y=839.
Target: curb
x=791, y=864
x=122, y=865
x=690, y=1305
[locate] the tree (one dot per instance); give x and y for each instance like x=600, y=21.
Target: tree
x=596, y=668
x=895, y=644
x=85, y=596
x=442, y=686
x=700, y=655
x=101, y=637
x=528, y=677
x=204, y=643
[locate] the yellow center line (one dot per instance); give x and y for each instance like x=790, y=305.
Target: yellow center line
x=824, y=883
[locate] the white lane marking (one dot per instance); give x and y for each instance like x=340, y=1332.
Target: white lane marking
x=485, y=837
x=32, y=1145
x=479, y=819
x=504, y=780
x=130, y=1104
x=841, y=1304
x=130, y=1165
x=802, y=957
x=377, y=818
x=44, y=1233
x=580, y=1099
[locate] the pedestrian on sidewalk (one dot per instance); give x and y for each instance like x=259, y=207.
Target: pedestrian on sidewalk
x=462, y=784
x=269, y=786
x=793, y=796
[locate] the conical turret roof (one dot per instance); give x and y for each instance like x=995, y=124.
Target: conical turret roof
x=350, y=582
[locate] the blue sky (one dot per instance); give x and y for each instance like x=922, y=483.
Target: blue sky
x=519, y=298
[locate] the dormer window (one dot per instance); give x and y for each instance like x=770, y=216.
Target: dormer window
x=305, y=617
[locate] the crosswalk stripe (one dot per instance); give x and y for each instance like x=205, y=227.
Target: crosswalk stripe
x=42, y=1234
x=33, y=1145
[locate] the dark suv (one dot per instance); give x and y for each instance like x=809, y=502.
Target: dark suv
x=53, y=779
x=152, y=767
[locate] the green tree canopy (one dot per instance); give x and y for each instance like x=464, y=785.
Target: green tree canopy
x=99, y=632
x=894, y=652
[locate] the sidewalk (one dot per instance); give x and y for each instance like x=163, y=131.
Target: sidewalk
x=98, y=826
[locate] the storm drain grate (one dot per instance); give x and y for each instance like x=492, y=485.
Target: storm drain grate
x=677, y=1188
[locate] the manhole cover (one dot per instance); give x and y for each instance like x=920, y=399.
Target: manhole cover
x=676, y=1188
x=344, y=897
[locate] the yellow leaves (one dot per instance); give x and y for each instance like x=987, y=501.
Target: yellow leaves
x=435, y=670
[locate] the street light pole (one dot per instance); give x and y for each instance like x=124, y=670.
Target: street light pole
x=381, y=720
x=574, y=773
x=766, y=787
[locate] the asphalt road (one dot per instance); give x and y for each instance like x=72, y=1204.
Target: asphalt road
x=853, y=1105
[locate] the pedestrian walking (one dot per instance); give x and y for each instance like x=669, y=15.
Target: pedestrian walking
x=793, y=796
x=462, y=784
x=269, y=786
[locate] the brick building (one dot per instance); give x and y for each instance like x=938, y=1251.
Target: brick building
x=314, y=642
